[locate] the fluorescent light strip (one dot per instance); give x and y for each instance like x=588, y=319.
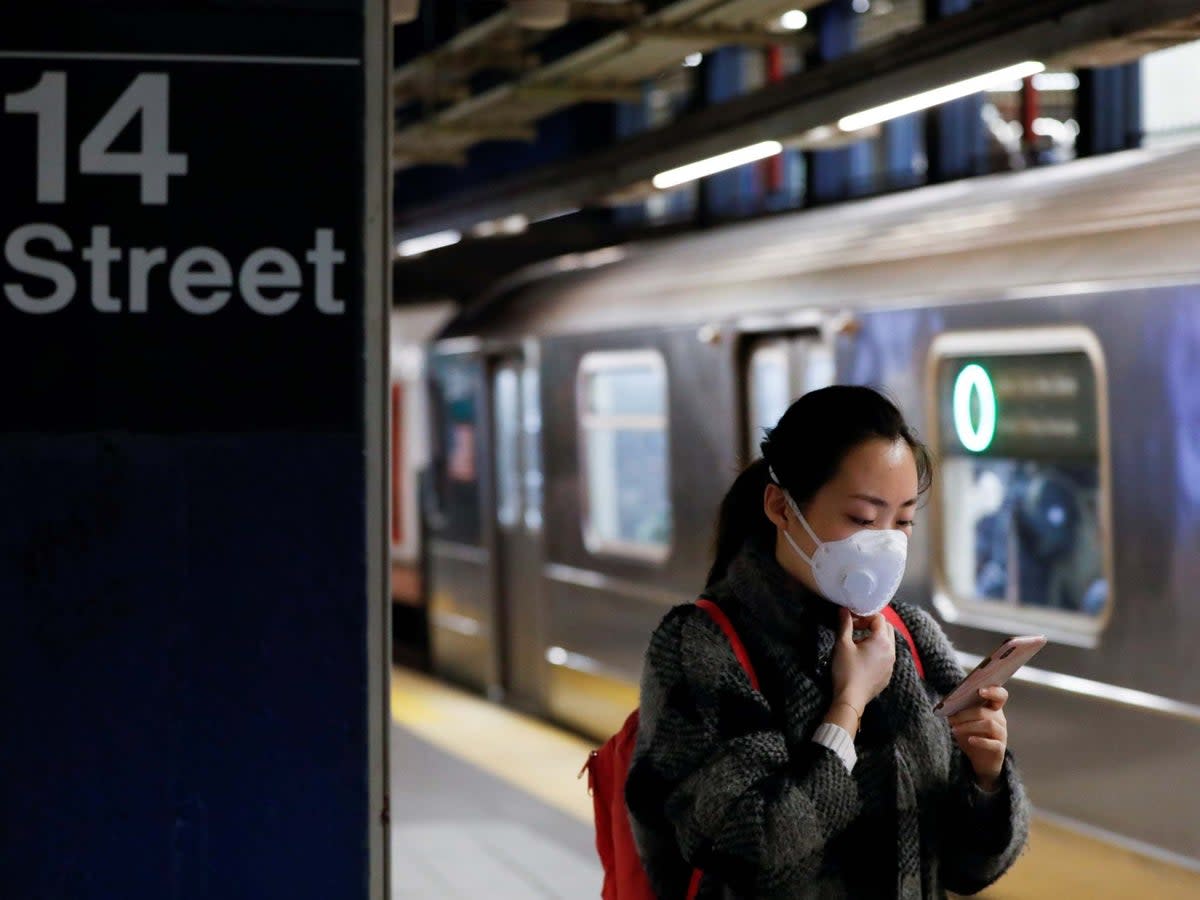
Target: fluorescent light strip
x=557, y=214
x=705, y=167
x=426, y=242
x=938, y=96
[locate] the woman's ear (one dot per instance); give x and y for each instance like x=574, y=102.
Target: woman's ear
x=775, y=505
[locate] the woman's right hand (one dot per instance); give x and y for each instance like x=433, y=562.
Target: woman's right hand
x=862, y=670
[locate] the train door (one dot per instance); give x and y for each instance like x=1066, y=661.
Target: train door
x=779, y=367
x=458, y=559
x=517, y=528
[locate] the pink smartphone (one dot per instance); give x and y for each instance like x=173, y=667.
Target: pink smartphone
x=993, y=670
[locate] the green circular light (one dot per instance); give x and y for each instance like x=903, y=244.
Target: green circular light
x=973, y=379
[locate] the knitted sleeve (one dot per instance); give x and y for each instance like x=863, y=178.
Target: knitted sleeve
x=980, y=835
x=712, y=769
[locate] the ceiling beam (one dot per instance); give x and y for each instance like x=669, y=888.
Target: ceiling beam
x=419, y=154
x=430, y=89
x=476, y=130
x=607, y=12
x=581, y=91
x=986, y=37
x=718, y=36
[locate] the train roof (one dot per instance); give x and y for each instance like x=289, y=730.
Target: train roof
x=1131, y=217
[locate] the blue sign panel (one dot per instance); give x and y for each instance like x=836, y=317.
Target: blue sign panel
x=183, y=502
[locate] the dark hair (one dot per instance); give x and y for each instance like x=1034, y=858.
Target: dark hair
x=805, y=448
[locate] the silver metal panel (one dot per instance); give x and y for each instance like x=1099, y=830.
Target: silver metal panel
x=1126, y=771
x=702, y=441
x=1010, y=235
x=610, y=628
x=589, y=702
x=517, y=540
x=377, y=293
x=460, y=617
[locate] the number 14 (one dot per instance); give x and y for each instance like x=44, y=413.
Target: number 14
x=148, y=94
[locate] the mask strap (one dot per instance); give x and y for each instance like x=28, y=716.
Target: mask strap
x=804, y=522
x=799, y=515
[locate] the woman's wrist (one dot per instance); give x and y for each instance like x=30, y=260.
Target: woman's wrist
x=852, y=698
x=846, y=713
x=989, y=784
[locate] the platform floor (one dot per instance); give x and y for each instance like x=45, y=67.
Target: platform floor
x=486, y=803
x=462, y=827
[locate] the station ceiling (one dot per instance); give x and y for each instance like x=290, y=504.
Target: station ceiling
x=633, y=43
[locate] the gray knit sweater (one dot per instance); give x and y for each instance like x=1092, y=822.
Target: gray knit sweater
x=728, y=779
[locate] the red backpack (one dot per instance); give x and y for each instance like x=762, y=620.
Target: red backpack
x=607, y=768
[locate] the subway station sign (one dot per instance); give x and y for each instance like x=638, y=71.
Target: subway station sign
x=192, y=255
x=50, y=268
x=181, y=210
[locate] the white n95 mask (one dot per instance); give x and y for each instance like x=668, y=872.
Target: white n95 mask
x=861, y=572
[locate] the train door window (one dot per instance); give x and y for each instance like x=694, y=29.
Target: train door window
x=532, y=429
x=622, y=400
x=454, y=382
x=397, y=469
x=506, y=400
x=1022, y=508
x=780, y=369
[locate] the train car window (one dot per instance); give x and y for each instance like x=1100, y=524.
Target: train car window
x=507, y=407
x=769, y=389
x=1023, y=494
x=780, y=369
x=532, y=423
x=398, y=468
x=623, y=423
x=454, y=394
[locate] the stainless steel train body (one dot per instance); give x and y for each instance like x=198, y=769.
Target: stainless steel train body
x=1041, y=329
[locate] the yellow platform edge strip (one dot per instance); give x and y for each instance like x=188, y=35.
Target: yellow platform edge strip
x=543, y=761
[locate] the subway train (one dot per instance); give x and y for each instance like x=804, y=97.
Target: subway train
x=1041, y=329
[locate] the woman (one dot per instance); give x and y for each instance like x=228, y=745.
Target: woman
x=835, y=779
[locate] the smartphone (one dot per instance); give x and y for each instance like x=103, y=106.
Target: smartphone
x=993, y=670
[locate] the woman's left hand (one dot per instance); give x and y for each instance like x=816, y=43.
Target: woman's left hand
x=981, y=732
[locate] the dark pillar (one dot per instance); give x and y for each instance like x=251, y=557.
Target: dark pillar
x=831, y=172
x=1109, y=109
x=193, y=596
x=955, y=142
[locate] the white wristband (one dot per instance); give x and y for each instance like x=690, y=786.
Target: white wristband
x=837, y=739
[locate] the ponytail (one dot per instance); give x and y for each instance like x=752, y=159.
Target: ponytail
x=741, y=517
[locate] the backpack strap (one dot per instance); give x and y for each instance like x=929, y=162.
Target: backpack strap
x=739, y=649
x=898, y=623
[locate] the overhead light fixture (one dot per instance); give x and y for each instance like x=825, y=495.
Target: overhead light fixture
x=938, y=96
x=693, y=59
x=405, y=11
x=793, y=20
x=1056, y=81
x=705, y=167
x=861, y=6
x=426, y=242
x=556, y=214
x=513, y=224
x=540, y=15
